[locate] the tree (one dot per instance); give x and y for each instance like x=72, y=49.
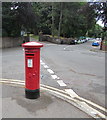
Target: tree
x=52, y=19
x=64, y=19
x=17, y=16
x=74, y=22
x=89, y=16
x=70, y=19
x=96, y=31
x=10, y=25
x=44, y=12
x=26, y=16
x=101, y=10
x=60, y=19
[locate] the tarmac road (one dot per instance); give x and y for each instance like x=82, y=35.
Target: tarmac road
x=80, y=68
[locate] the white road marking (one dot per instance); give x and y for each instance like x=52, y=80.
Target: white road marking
x=45, y=66
x=93, y=112
x=54, y=76
x=88, y=108
x=66, y=47
x=71, y=93
x=50, y=71
x=61, y=83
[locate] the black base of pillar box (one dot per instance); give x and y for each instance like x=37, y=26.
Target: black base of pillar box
x=32, y=94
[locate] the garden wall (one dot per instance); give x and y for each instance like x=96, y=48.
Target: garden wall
x=55, y=39
x=6, y=42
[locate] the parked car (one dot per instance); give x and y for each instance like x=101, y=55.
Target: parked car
x=86, y=40
x=75, y=41
x=83, y=40
x=95, y=43
x=72, y=42
x=79, y=41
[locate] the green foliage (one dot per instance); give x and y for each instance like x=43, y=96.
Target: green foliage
x=96, y=31
x=101, y=14
x=16, y=17
x=74, y=22
x=67, y=19
x=101, y=10
x=35, y=37
x=9, y=21
x=44, y=11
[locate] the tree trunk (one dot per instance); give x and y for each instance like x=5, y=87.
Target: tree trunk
x=60, y=21
x=52, y=20
x=87, y=33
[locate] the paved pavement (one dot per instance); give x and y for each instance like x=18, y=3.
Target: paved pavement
x=68, y=71
x=15, y=105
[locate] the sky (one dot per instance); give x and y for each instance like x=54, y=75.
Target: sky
x=100, y=23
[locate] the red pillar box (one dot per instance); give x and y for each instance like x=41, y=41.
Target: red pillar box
x=32, y=69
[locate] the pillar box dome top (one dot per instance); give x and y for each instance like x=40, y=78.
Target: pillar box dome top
x=32, y=44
